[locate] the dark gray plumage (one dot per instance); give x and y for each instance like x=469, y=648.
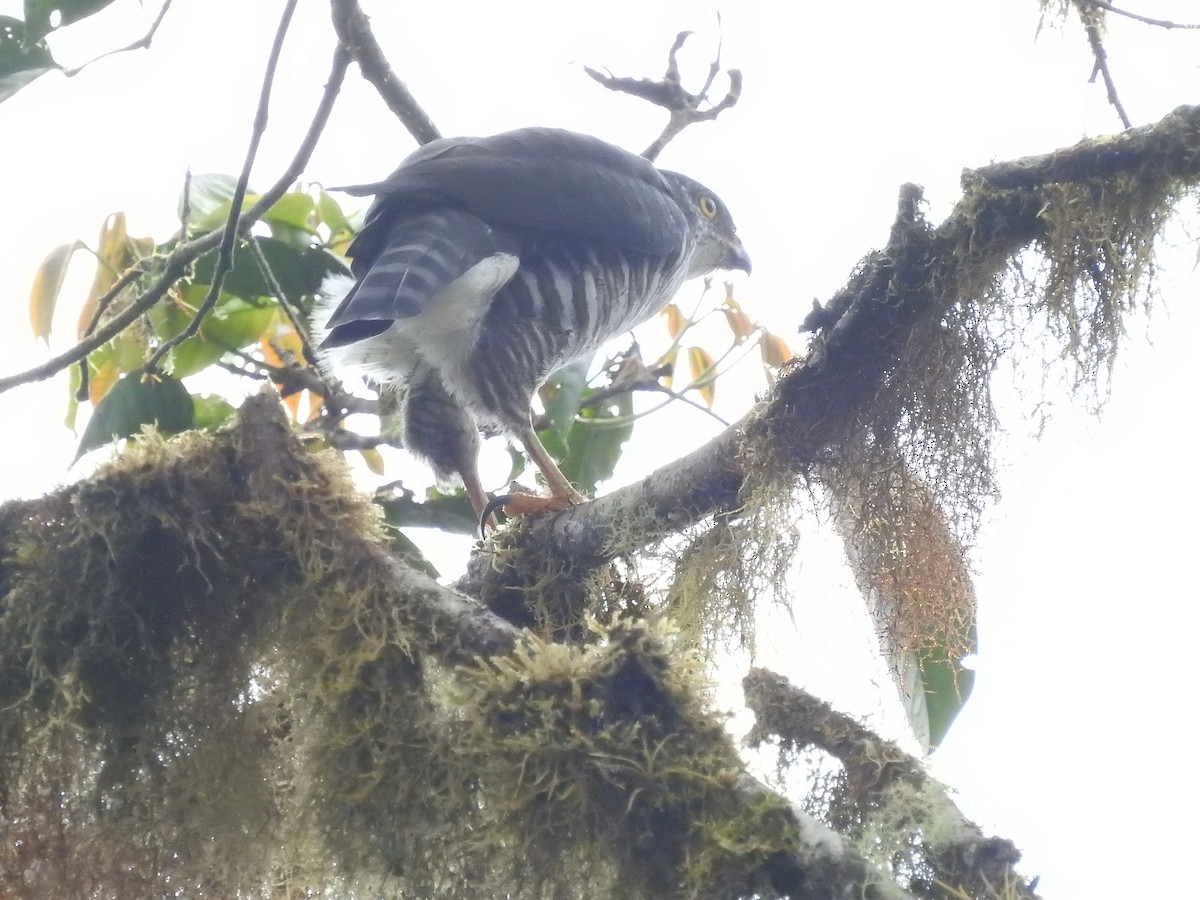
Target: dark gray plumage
x=486, y=263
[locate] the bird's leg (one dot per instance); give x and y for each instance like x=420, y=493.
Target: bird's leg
x=562, y=492
x=469, y=473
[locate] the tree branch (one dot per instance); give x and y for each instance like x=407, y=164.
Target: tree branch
x=1146, y=20
x=141, y=43
x=882, y=779
x=176, y=263
x=865, y=326
x=1091, y=24
x=230, y=233
x=668, y=92
x=354, y=31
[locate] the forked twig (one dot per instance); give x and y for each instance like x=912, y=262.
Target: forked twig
x=668, y=92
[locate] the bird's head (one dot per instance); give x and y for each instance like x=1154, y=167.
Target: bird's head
x=717, y=243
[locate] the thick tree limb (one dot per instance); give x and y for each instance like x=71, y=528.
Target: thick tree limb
x=259, y=473
x=1172, y=144
x=921, y=271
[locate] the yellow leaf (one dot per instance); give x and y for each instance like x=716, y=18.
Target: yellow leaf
x=668, y=360
x=703, y=377
x=47, y=284
x=774, y=350
x=111, y=255
x=374, y=460
x=676, y=321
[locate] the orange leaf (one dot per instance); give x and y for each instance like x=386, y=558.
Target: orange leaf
x=774, y=350
x=102, y=378
x=739, y=323
x=703, y=377
x=111, y=255
x=676, y=321
x=281, y=346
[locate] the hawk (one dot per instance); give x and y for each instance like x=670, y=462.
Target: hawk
x=486, y=263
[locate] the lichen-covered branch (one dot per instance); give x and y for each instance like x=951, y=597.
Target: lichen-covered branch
x=221, y=611
x=866, y=329
x=881, y=782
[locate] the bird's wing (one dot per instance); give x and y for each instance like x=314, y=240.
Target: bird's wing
x=538, y=179
x=418, y=257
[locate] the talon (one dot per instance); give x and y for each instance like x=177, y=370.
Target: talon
x=488, y=516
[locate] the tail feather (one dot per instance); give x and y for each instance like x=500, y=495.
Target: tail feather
x=422, y=254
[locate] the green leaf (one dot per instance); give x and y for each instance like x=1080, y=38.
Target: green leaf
x=447, y=512
x=134, y=401
x=22, y=58
x=294, y=208
x=39, y=14
x=948, y=685
x=192, y=356
x=209, y=196
x=331, y=213
x=299, y=272
x=595, y=442
x=561, y=395
x=210, y=412
x=410, y=553
x=235, y=324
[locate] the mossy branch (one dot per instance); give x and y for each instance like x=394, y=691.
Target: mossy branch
x=146, y=605
x=864, y=330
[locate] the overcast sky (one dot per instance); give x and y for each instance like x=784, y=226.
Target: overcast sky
x=1087, y=598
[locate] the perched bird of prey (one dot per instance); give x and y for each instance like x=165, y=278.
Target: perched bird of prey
x=485, y=263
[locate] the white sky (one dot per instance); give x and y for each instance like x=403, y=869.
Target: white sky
x=1072, y=743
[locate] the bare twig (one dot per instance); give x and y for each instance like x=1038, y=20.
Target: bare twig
x=176, y=263
x=277, y=291
x=354, y=31
x=1157, y=23
x=669, y=93
x=1091, y=25
x=229, y=237
x=141, y=43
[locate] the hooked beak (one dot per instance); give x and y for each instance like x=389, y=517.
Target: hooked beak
x=736, y=256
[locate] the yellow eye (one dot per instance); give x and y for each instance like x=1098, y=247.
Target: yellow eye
x=708, y=206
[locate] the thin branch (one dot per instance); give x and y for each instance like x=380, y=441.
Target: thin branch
x=354, y=31
x=175, y=264
x=1092, y=26
x=1157, y=23
x=668, y=92
x=224, y=261
x=293, y=317
x=141, y=43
